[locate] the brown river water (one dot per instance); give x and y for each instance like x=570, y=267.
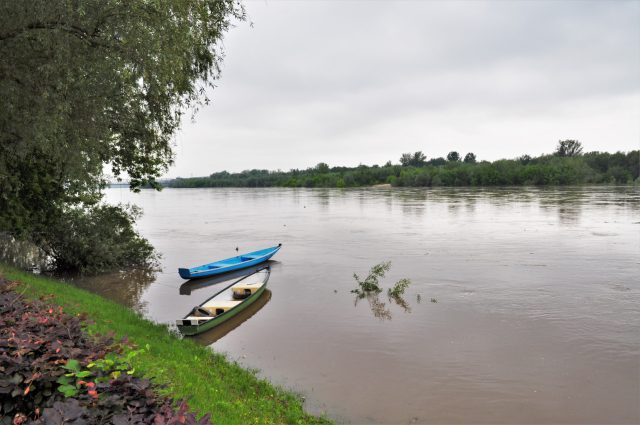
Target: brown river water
x=524, y=305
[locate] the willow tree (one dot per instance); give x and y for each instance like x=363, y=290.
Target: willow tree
x=88, y=86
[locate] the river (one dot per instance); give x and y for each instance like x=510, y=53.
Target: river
x=524, y=303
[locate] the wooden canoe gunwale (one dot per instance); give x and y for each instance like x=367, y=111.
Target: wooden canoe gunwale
x=222, y=317
x=190, y=330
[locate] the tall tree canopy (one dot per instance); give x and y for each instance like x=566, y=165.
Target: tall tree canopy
x=470, y=158
x=453, y=156
x=89, y=84
x=569, y=148
x=418, y=159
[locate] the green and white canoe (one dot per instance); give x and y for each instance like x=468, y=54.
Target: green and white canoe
x=225, y=304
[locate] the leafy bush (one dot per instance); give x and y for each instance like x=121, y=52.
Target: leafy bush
x=88, y=87
x=45, y=373
x=96, y=238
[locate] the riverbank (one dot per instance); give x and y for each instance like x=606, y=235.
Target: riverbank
x=545, y=170
x=208, y=381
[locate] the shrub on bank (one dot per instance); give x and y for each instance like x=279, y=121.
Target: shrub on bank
x=52, y=372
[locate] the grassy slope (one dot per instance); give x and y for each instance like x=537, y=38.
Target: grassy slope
x=208, y=381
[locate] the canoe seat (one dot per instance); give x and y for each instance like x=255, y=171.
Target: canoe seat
x=200, y=312
x=245, y=258
x=218, y=307
x=192, y=321
x=243, y=290
x=197, y=318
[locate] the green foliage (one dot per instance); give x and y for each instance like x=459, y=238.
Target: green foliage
x=35, y=339
x=88, y=85
x=322, y=168
x=70, y=381
x=405, y=159
x=218, y=386
x=524, y=159
x=370, y=289
x=94, y=238
x=569, y=148
x=418, y=159
x=371, y=283
x=453, y=156
x=470, y=158
x=437, y=161
x=398, y=288
x=590, y=168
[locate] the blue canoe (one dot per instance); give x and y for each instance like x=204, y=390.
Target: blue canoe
x=241, y=261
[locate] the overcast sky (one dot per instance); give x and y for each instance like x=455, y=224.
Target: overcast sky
x=363, y=81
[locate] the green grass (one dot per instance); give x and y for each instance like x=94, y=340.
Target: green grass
x=208, y=381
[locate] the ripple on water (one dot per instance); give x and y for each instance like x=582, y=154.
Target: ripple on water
x=537, y=326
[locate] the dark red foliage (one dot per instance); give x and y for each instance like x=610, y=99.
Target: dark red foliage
x=36, y=341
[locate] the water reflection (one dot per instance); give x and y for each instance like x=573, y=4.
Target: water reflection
x=211, y=336
x=195, y=284
x=399, y=300
x=125, y=286
x=516, y=308
x=369, y=288
x=22, y=254
x=470, y=204
x=378, y=308
x=569, y=215
x=567, y=203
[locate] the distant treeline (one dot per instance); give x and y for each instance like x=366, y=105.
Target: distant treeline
x=567, y=166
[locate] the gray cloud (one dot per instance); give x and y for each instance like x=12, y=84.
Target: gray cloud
x=350, y=82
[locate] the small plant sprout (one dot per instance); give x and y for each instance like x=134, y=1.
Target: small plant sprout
x=69, y=382
x=113, y=365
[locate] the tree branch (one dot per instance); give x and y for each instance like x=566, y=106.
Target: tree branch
x=75, y=30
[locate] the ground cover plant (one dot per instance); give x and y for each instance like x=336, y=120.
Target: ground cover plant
x=53, y=372
x=208, y=381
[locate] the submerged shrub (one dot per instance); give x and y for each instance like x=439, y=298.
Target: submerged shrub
x=371, y=284
x=96, y=238
x=370, y=289
x=398, y=288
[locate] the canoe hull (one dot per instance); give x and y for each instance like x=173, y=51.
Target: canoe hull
x=189, y=330
x=230, y=264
